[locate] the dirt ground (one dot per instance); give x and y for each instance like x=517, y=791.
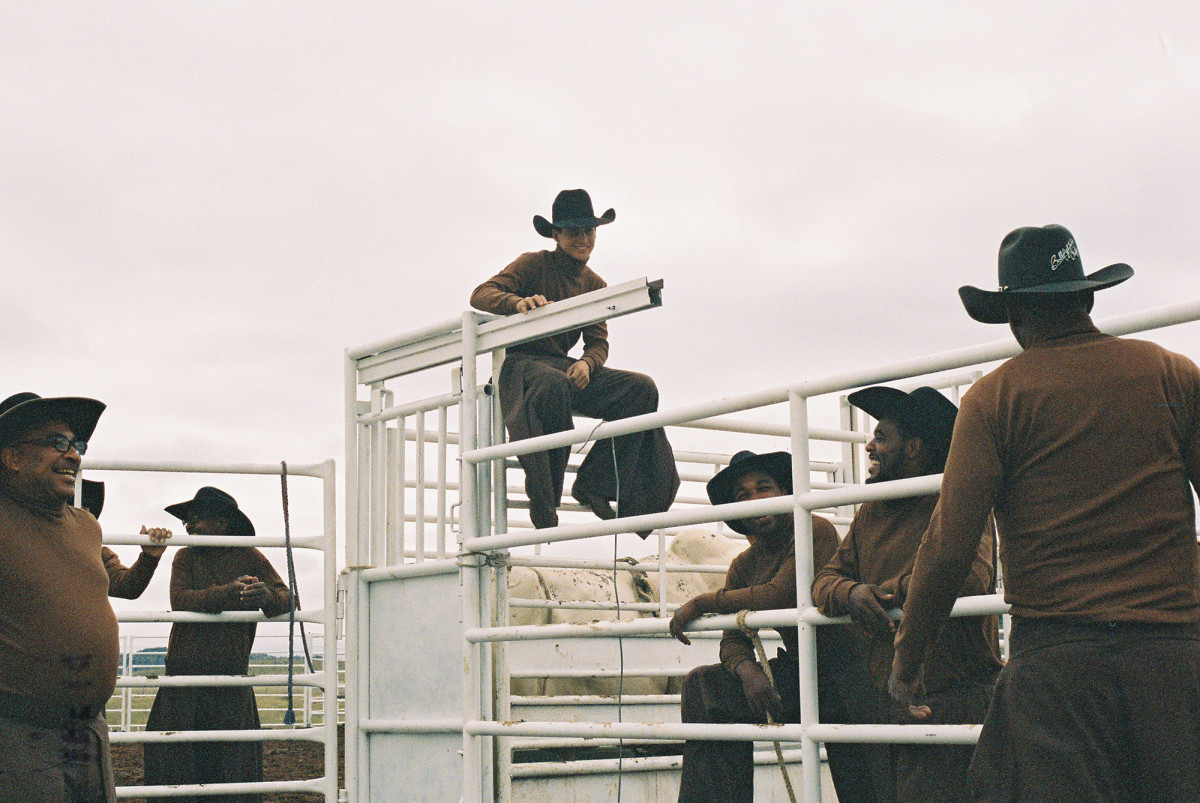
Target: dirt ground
x=281, y=761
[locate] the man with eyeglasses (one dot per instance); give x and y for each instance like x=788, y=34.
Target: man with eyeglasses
x=58, y=634
x=541, y=385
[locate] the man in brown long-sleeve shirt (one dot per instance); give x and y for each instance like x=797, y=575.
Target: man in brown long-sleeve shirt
x=762, y=578
x=126, y=582
x=870, y=573
x=1085, y=445
x=540, y=384
x=58, y=633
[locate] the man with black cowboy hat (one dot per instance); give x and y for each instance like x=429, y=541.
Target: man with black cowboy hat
x=540, y=385
x=870, y=573
x=1085, y=445
x=58, y=634
x=761, y=578
x=212, y=580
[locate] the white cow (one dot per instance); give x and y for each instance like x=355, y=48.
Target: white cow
x=691, y=547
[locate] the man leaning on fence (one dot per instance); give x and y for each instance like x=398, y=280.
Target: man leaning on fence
x=870, y=572
x=1086, y=445
x=212, y=580
x=763, y=577
x=58, y=633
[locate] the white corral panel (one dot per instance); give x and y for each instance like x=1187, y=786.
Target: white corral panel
x=416, y=631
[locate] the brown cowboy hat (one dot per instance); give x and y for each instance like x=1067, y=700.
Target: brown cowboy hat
x=572, y=210
x=22, y=412
x=777, y=465
x=214, y=501
x=1034, y=260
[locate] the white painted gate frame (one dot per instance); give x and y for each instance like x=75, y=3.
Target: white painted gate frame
x=483, y=594
x=325, y=617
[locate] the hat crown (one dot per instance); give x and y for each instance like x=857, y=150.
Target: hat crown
x=15, y=399
x=571, y=206
x=1034, y=256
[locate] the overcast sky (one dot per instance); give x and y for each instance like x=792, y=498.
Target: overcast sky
x=202, y=204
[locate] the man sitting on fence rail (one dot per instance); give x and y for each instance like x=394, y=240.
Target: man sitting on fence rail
x=540, y=385
x=58, y=634
x=212, y=580
x=126, y=582
x=763, y=577
x=1085, y=445
x=870, y=573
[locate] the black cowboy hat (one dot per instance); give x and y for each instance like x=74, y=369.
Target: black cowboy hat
x=216, y=501
x=572, y=210
x=1037, y=260
x=925, y=413
x=777, y=465
x=91, y=498
x=22, y=412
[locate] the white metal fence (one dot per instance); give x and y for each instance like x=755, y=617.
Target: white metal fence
x=321, y=684
x=446, y=605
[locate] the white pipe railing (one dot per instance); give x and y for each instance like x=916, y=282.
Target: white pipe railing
x=477, y=537
x=326, y=679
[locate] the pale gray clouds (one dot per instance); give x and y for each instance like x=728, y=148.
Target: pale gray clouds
x=203, y=204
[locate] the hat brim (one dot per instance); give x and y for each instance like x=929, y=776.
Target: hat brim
x=79, y=413
x=91, y=497
x=546, y=228
x=987, y=306
x=720, y=488
x=237, y=519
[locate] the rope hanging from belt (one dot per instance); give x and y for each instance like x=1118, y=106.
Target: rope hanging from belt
x=752, y=633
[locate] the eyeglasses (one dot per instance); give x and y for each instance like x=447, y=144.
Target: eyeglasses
x=60, y=443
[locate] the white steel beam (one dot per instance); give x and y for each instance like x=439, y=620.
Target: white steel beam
x=408, y=355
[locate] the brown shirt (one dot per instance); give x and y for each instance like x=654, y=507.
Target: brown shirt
x=127, y=582
x=879, y=549
x=1085, y=445
x=200, y=582
x=763, y=578
x=58, y=633
x=555, y=275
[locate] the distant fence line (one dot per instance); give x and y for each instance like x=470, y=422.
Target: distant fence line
x=145, y=655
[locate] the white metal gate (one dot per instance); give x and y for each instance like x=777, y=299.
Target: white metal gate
x=429, y=715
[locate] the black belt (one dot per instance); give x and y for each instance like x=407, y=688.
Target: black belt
x=30, y=711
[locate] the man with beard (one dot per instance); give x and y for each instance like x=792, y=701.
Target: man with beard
x=212, y=580
x=58, y=633
x=540, y=385
x=870, y=573
x=761, y=578
x=1087, y=446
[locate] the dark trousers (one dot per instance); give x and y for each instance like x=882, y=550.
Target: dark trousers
x=723, y=772
x=1093, y=712
x=537, y=399
x=938, y=773
x=68, y=764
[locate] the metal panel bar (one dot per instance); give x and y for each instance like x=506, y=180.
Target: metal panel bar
x=408, y=356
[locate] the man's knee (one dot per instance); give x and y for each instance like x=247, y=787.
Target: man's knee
x=642, y=392
x=551, y=390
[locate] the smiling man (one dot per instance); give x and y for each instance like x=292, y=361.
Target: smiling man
x=870, y=573
x=763, y=578
x=541, y=385
x=58, y=633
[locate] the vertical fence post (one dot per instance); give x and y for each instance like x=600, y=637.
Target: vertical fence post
x=807, y=635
